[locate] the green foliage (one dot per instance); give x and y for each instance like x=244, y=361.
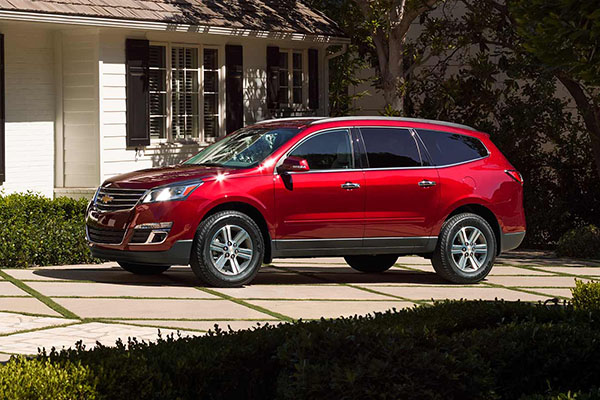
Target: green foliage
x=581, y=242
x=562, y=34
x=504, y=92
x=22, y=379
x=452, y=350
x=586, y=296
x=35, y=230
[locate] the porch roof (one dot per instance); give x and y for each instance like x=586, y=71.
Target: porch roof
x=285, y=16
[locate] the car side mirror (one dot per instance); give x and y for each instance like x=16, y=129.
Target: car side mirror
x=293, y=164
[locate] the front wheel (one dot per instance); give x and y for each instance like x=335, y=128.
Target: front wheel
x=372, y=264
x=228, y=249
x=466, y=249
x=141, y=269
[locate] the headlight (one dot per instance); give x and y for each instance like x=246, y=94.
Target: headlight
x=168, y=193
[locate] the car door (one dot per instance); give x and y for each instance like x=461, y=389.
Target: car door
x=402, y=189
x=323, y=207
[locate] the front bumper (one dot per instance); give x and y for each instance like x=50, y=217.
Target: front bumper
x=511, y=241
x=178, y=254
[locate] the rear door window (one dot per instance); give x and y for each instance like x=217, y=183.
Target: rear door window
x=328, y=150
x=390, y=148
x=450, y=148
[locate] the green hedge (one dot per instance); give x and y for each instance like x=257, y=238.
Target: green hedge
x=581, y=242
x=35, y=230
x=452, y=350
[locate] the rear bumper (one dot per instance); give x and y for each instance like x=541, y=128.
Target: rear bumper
x=511, y=241
x=178, y=254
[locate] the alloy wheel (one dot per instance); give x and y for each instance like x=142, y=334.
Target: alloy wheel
x=231, y=249
x=469, y=249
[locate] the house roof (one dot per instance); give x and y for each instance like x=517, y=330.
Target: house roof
x=287, y=16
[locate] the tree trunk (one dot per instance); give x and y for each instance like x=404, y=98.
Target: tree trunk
x=590, y=113
x=391, y=95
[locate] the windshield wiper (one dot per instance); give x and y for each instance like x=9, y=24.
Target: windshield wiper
x=210, y=164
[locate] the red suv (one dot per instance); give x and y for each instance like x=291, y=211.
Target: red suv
x=368, y=189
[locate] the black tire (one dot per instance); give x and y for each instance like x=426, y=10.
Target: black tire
x=202, y=257
x=142, y=269
x=447, y=265
x=372, y=264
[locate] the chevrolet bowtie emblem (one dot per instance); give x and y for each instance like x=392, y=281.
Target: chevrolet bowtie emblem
x=106, y=199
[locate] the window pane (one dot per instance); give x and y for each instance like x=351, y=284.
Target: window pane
x=297, y=60
x=185, y=87
x=283, y=96
x=157, y=85
x=390, y=148
x=211, y=81
x=330, y=150
x=211, y=97
x=211, y=127
x=211, y=59
x=451, y=148
x=297, y=95
x=297, y=78
x=283, y=60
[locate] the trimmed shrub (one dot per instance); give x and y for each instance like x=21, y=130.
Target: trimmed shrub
x=35, y=230
x=452, y=350
x=586, y=296
x=22, y=379
x=581, y=242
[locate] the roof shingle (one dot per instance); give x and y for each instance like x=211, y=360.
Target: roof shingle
x=291, y=16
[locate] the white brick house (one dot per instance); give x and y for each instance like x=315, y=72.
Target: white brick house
x=97, y=88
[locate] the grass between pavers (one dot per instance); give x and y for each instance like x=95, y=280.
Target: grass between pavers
x=245, y=304
x=44, y=299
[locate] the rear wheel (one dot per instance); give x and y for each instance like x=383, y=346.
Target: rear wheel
x=142, y=269
x=372, y=264
x=228, y=249
x=466, y=249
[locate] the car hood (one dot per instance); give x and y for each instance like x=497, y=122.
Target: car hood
x=159, y=176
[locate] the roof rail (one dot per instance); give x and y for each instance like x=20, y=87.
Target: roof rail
x=399, y=119
x=266, y=121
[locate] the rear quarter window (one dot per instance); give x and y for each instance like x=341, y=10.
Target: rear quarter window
x=451, y=148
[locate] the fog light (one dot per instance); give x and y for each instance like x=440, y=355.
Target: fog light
x=155, y=225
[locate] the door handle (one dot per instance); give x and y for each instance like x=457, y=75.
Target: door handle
x=350, y=185
x=426, y=183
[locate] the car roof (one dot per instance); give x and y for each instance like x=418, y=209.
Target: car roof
x=312, y=121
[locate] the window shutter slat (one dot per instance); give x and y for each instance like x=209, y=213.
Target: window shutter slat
x=2, y=114
x=234, y=69
x=272, y=76
x=313, y=79
x=137, y=56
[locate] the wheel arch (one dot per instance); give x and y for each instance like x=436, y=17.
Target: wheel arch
x=253, y=213
x=484, y=213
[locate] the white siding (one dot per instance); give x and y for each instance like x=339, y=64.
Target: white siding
x=30, y=109
x=80, y=109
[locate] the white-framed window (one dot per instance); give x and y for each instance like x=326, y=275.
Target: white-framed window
x=293, y=79
x=185, y=99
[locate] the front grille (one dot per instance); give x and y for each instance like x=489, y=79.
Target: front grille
x=105, y=236
x=117, y=199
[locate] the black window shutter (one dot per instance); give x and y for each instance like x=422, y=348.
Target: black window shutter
x=2, y=113
x=313, y=79
x=272, y=76
x=234, y=69
x=137, y=56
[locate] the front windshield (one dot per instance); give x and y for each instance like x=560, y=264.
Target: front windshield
x=244, y=149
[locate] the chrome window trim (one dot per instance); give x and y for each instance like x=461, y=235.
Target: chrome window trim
x=318, y=171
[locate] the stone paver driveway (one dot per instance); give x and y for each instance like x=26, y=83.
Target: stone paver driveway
x=58, y=306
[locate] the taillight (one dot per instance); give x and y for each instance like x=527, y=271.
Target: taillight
x=515, y=175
